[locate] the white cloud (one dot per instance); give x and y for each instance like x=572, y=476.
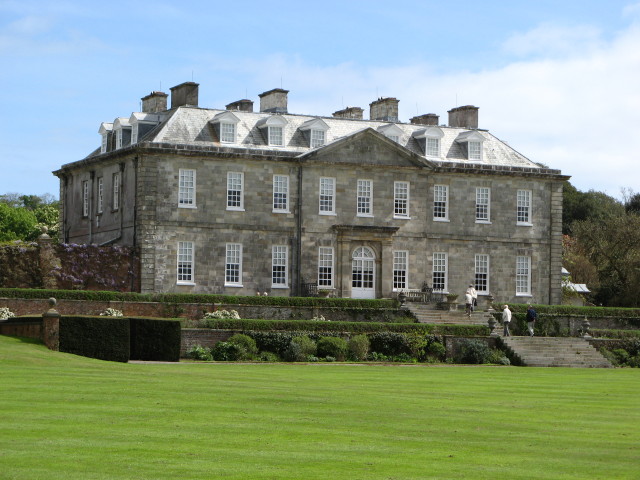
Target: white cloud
x=549, y=40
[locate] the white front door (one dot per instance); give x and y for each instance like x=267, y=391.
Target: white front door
x=363, y=268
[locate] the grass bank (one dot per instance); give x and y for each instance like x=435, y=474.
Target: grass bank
x=68, y=417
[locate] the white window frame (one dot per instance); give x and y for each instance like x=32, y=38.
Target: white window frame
x=276, y=135
x=85, y=198
x=100, y=194
x=227, y=132
x=483, y=205
x=325, y=267
x=394, y=138
x=186, y=188
x=115, y=189
x=103, y=145
x=185, y=263
x=134, y=134
x=523, y=208
x=441, y=203
x=364, y=198
x=118, y=138
x=481, y=269
x=318, y=138
x=280, y=194
x=279, y=266
x=400, y=270
x=523, y=276
x=233, y=258
x=432, y=146
x=235, y=191
x=401, y=198
x=440, y=267
x=327, y=196
x=474, y=150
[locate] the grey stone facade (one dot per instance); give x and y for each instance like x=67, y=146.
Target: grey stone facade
x=389, y=161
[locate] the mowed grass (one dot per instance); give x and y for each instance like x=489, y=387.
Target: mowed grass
x=69, y=417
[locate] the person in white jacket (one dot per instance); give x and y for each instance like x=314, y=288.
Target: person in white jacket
x=474, y=297
x=506, y=320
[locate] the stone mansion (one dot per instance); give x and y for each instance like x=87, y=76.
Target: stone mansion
x=238, y=201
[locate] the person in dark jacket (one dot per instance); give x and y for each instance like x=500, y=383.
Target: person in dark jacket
x=532, y=316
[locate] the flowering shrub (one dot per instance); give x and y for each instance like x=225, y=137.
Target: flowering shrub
x=223, y=314
x=112, y=312
x=319, y=318
x=5, y=313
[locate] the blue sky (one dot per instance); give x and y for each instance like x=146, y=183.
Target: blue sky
x=558, y=80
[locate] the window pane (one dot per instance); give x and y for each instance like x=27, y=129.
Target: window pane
x=327, y=190
x=439, y=279
x=116, y=191
x=433, y=147
x=482, y=273
x=475, y=151
x=440, y=194
x=325, y=267
x=281, y=192
x=233, y=267
x=364, y=197
x=482, y=204
x=185, y=261
x=279, y=265
x=234, y=190
x=317, y=138
x=401, y=199
x=227, y=132
x=275, y=136
x=524, y=206
x=187, y=188
x=400, y=267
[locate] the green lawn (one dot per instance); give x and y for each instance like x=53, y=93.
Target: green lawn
x=69, y=417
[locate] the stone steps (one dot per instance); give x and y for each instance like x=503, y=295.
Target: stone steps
x=555, y=352
x=426, y=314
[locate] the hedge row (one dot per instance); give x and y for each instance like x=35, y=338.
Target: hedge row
x=350, y=327
x=177, y=298
x=565, y=310
x=120, y=339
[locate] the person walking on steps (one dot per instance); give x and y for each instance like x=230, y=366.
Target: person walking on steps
x=474, y=297
x=532, y=316
x=506, y=320
x=468, y=303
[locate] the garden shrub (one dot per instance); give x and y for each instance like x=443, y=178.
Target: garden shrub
x=268, y=357
x=498, y=357
x=473, y=351
x=389, y=343
x=300, y=349
x=5, y=313
x=358, y=347
x=332, y=347
x=198, y=352
x=436, y=351
x=246, y=344
x=233, y=314
x=112, y=312
x=226, y=352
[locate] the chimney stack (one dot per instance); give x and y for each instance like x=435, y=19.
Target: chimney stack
x=464, y=117
x=349, y=112
x=184, y=94
x=426, y=119
x=384, y=109
x=241, y=105
x=274, y=101
x=154, y=102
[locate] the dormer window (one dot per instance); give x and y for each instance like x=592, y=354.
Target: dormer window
x=122, y=129
x=316, y=131
x=142, y=123
x=473, y=141
x=430, y=138
x=392, y=132
x=105, y=131
x=225, y=124
x=273, y=129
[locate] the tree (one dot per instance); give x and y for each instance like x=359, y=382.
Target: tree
x=23, y=216
x=17, y=224
x=591, y=205
x=613, y=246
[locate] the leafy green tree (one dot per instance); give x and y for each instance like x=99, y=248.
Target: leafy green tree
x=591, y=205
x=613, y=246
x=17, y=224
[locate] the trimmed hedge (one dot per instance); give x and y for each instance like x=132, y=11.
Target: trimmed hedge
x=177, y=298
x=104, y=338
x=570, y=310
x=155, y=339
x=620, y=334
x=342, y=327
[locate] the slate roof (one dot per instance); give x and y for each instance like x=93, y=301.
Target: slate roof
x=191, y=126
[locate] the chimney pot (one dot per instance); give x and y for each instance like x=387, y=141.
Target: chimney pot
x=384, y=109
x=426, y=119
x=274, y=101
x=154, y=102
x=184, y=94
x=241, y=105
x=350, y=112
x=464, y=117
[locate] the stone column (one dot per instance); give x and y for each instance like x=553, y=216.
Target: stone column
x=51, y=327
x=47, y=260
